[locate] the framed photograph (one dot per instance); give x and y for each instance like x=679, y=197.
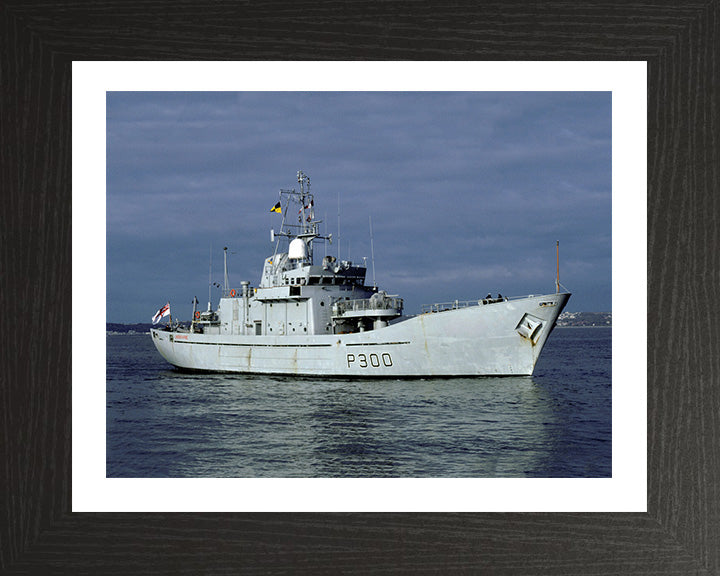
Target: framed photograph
x=65, y=518
x=526, y=151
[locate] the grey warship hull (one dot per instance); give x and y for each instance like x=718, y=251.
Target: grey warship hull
x=501, y=338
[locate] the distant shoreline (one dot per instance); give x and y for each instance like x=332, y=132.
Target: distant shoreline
x=586, y=326
x=585, y=319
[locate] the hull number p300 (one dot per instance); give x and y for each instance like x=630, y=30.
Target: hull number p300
x=369, y=360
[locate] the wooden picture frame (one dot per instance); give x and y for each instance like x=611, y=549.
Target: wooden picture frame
x=680, y=532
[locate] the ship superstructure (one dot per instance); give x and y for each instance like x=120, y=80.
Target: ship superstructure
x=323, y=319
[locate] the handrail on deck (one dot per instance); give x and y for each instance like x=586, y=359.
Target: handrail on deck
x=456, y=304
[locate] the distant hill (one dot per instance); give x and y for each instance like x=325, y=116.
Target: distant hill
x=113, y=328
x=585, y=319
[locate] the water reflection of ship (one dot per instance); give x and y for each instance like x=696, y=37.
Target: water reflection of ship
x=355, y=431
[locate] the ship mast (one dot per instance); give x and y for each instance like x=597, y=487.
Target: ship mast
x=307, y=228
x=210, y=283
x=557, y=264
x=226, y=289
x=372, y=251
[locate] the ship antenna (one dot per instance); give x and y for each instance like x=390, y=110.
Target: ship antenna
x=557, y=264
x=372, y=251
x=301, y=180
x=227, y=287
x=210, y=282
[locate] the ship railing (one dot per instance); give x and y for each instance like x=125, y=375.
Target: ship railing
x=365, y=304
x=442, y=306
x=456, y=304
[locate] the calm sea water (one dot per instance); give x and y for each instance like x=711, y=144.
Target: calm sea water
x=557, y=423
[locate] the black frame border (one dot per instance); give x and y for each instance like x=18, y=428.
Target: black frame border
x=680, y=532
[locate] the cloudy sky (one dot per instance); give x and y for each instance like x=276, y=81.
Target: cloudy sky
x=468, y=191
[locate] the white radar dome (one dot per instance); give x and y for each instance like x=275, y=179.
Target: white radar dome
x=297, y=250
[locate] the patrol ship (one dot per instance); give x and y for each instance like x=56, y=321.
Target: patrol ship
x=324, y=320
